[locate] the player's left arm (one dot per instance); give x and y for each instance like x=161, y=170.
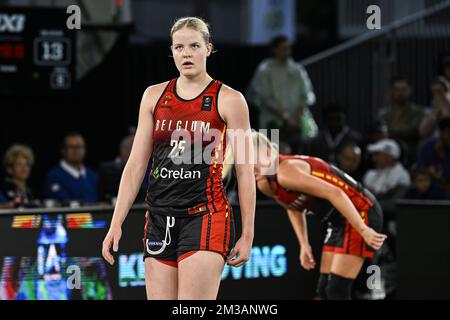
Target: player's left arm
x=293, y=177
x=234, y=110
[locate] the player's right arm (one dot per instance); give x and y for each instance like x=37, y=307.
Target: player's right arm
x=134, y=170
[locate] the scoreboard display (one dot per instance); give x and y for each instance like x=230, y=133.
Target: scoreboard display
x=36, y=51
x=48, y=246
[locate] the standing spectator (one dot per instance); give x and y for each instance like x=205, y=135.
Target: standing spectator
x=434, y=155
x=335, y=134
x=71, y=180
x=282, y=91
x=423, y=187
x=14, y=190
x=440, y=108
x=403, y=117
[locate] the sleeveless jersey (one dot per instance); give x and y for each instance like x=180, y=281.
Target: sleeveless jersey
x=189, y=138
x=328, y=173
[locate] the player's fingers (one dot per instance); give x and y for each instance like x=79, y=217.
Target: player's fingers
x=116, y=243
x=105, y=251
x=232, y=254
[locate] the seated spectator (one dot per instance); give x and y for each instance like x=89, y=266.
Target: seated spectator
x=348, y=159
x=423, y=187
x=376, y=131
x=71, y=180
x=111, y=172
x=335, y=134
x=434, y=155
x=403, y=117
x=389, y=174
x=282, y=92
x=14, y=191
x=444, y=74
x=440, y=108
x=389, y=181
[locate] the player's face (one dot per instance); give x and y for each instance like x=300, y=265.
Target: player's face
x=265, y=161
x=190, y=51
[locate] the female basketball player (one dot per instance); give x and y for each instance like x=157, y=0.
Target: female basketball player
x=310, y=185
x=189, y=229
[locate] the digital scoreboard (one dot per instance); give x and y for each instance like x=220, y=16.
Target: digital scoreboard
x=36, y=51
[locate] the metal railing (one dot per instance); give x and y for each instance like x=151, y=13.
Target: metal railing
x=356, y=73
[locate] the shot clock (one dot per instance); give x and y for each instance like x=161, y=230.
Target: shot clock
x=36, y=51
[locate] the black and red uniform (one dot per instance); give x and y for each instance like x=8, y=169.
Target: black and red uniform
x=187, y=205
x=341, y=236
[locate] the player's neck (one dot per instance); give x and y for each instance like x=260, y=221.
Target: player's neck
x=196, y=82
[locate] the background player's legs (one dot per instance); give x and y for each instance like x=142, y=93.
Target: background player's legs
x=344, y=269
x=325, y=269
x=347, y=266
x=199, y=276
x=325, y=262
x=161, y=280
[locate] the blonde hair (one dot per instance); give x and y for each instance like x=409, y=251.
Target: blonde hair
x=228, y=162
x=16, y=151
x=194, y=23
x=259, y=139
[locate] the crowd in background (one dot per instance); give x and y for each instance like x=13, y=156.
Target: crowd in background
x=70, y=183
x=403, y=154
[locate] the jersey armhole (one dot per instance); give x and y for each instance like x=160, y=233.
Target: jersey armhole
x=217, y=103
x=160, y=97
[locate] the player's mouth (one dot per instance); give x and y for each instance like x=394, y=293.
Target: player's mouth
x=188, y=64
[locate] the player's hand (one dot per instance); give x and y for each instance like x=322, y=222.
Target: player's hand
x=242, y=249
x=306, y=257
x=111, y=239
x=373, y=238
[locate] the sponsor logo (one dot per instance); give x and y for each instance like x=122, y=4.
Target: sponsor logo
x=153, y=246
x=165, y=173
x=207, y=103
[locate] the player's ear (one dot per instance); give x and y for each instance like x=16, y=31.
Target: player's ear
x=210, y=48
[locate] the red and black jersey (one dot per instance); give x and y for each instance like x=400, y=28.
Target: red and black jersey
x=328, y=173
x=189, y=138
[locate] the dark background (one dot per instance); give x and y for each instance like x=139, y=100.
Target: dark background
x=296, y=283
x=105, y=103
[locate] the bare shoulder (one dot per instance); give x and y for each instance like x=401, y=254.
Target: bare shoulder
x=153, y=93
x=231, y=102
x=288, y=166
x=228, y=94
